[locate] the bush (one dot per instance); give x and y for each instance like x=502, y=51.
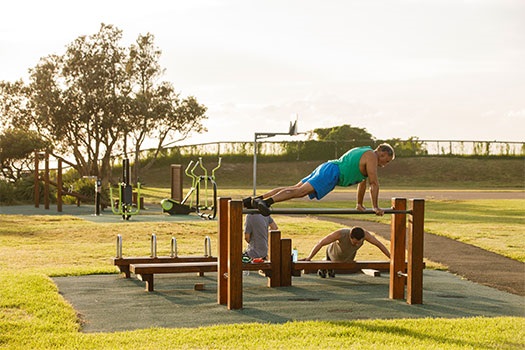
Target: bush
x=7, y=192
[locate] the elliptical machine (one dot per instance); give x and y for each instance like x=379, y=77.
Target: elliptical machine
x=208, y=208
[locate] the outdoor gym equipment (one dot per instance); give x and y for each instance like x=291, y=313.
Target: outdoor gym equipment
x=124, y=205
x=61, y=189
x=409, y=273
x=124, y=263
x=193, y=202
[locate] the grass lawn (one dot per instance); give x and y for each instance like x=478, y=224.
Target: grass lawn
x=33, y=315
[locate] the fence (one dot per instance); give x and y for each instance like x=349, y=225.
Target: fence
x=314, y=150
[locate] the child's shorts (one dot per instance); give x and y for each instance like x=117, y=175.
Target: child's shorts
x=323, y=179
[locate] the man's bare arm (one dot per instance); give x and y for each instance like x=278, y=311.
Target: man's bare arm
x=371, y=168
x=371, y=239
x=361, y=190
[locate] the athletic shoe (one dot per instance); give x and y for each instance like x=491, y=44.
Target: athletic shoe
x=321, y=273
x=264, y=208
x=331, y=273
x=247, y=203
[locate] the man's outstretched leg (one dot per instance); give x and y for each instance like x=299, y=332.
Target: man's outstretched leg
x=249, y=202
x=297, y=191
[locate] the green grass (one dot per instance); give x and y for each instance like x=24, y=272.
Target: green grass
x=34, y=316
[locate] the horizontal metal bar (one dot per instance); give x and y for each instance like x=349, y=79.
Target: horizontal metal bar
x=287, y=211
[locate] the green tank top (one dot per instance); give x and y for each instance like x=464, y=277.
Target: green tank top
x=348, y=163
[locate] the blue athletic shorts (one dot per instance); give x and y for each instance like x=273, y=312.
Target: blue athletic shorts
x=323, y=179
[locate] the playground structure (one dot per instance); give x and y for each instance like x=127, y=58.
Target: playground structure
x=193, y=202
x=124, y=205
x=229, y=276
x=281, y=266
x=61, y=190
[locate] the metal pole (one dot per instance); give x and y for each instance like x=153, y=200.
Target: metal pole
x=321, y=211
x=255, y=165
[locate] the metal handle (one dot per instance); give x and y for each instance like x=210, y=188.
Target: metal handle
x=119, y=247
x=207, y=246
x=153, y=245
x=174, y=247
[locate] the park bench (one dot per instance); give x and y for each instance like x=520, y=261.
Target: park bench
x=146, y=272
x=124, y=263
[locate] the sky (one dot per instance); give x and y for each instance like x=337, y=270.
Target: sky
x=432, y=69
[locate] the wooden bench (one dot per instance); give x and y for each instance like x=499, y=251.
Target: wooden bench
x=145, y=272
x=124, y=263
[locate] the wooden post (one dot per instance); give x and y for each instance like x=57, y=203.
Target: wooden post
x=235, y=255
x=415, y=251
x=46, y=181
x=275, y=258
x=222, y=252
x=286, y=262
x=176, y=182
x=59, y=185
x=397, y=250
x=37, y=180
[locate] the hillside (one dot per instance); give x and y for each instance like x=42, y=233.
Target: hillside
x=422, y=172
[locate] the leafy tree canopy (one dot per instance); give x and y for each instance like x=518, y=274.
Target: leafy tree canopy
x=17, y=150
x=100, y=99
x=344, y=132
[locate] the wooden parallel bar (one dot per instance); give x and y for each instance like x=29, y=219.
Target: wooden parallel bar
x=339, y=265
x=59, y=185
x=235, y=255
x=415, y=252
x=265, y=266
x=321, y=211
x=397, y=250
x=275, y=258
x=222, y=249
x=46, y=181
x=286, y=262
x=36, y=195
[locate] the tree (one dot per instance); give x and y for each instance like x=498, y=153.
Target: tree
x=157, y=111
x=17, y=150
x=344, y=133
x=89, y=100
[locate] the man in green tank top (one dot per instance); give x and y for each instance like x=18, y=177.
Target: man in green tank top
x=354, y=167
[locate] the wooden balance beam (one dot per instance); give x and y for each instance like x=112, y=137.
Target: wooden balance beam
x=123, y=264
x=145, y=272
